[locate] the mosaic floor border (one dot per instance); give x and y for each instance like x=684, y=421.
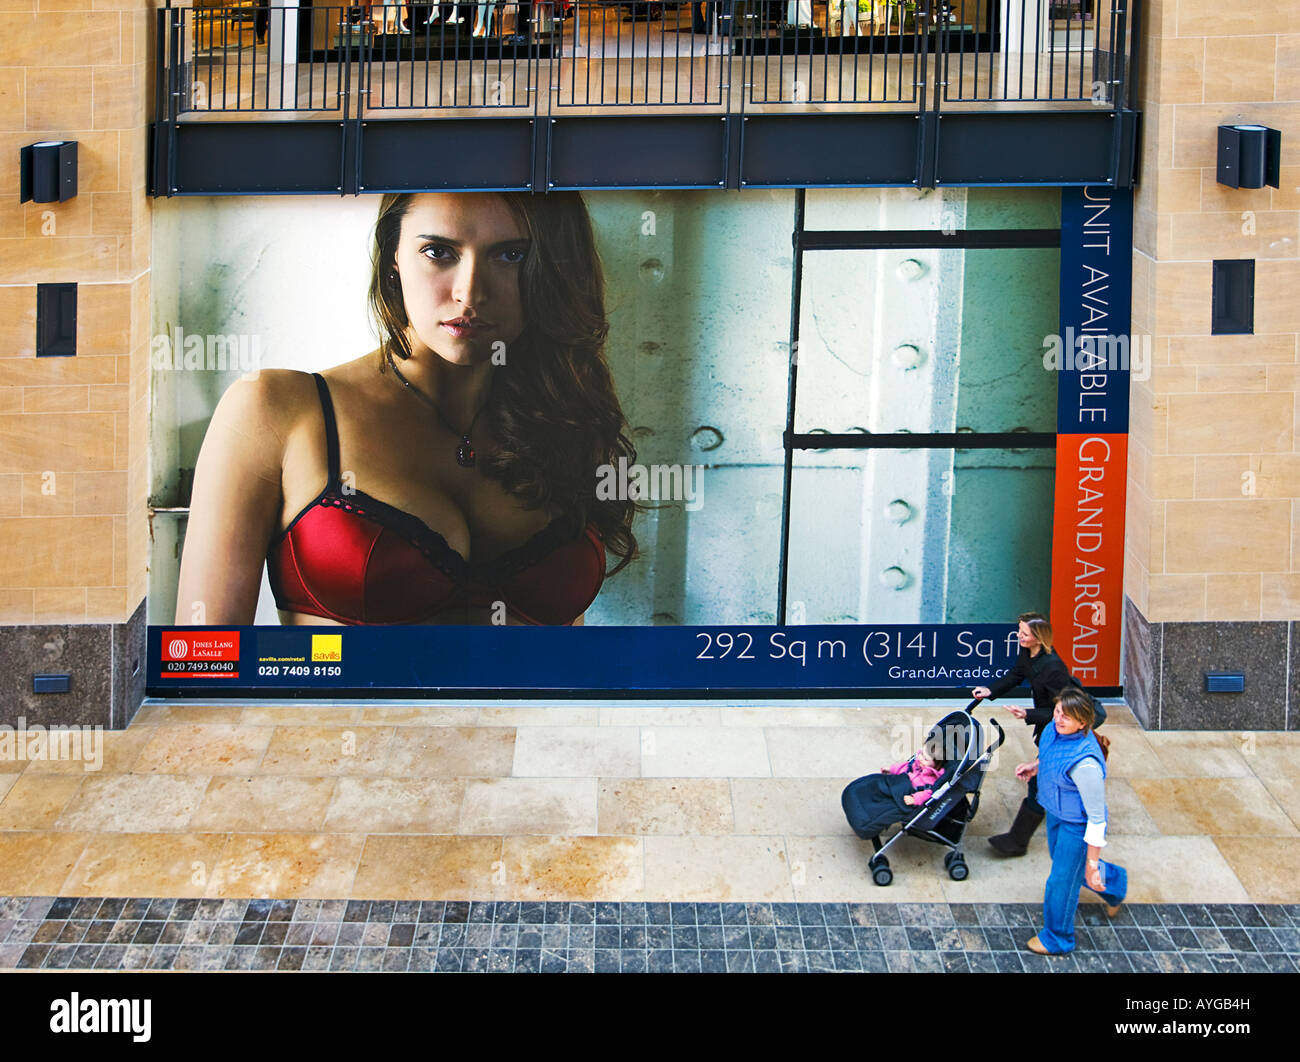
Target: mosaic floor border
x=558, y=937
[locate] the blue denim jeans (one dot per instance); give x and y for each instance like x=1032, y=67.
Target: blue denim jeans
x=1061, y=899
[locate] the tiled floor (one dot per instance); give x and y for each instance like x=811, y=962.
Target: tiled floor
x=590, y=804
x=557, y=937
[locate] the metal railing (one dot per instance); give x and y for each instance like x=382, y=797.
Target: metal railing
x=728, y=56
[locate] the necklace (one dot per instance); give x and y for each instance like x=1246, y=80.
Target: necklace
x=465, y=453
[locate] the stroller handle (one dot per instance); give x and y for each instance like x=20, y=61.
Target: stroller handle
x=1002, y=735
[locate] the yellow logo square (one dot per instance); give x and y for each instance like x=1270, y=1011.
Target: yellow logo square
x=327, y=647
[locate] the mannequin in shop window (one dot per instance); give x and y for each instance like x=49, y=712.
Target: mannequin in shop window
x=702, y=13
x=484, y=13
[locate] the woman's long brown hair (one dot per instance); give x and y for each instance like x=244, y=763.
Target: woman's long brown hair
x=553, y=408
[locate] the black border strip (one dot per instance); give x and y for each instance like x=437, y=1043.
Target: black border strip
x=437, y=693
x=926, y=239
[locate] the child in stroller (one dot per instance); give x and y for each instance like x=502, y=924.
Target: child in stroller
x=921, y=770
x=933, y=796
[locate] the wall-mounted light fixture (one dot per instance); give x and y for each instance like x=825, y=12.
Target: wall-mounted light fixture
x=1225, y=682
x=1250, y=156
x=48, y=171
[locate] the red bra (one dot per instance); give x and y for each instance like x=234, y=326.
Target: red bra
x=352, y=558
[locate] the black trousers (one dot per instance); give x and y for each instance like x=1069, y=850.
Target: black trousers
x=700, y=17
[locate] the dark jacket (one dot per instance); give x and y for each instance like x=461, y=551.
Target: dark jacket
x=1046, y=675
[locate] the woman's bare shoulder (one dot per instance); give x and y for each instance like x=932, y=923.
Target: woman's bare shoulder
x=271, y=400
x=359, y=372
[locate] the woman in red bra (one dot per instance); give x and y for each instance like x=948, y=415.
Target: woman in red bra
x=447, y=477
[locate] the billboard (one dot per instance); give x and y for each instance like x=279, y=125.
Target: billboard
x=482, y=442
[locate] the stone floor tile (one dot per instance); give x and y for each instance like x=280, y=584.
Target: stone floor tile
x=577, y=752
x=287, y=865
x=805, y=807
x=717, y=868
x=152, y=864
x=1198, y=754
x=703, y=752
x=672, y=806
x=316, y=751
x=263, y=804
x=1174, y=869
x=395, y=805
x=529, y=806
x=132, y=803
x=35, y=801
x=1267, y=867
x=203, y=749
x=573, y=868
x=835, y=868
x=425, y=868
x=827, y=752
x=1232, y=806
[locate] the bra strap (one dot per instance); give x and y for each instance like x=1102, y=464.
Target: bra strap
x=331, y=429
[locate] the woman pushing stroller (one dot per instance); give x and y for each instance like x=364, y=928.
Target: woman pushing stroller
x=1041, y=667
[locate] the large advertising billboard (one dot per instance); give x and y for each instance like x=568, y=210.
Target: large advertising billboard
x=483, y=442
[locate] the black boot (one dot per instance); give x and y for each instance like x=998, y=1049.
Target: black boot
x=1015, y=842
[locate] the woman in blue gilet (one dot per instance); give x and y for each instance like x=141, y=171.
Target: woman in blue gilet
x=1071, y=772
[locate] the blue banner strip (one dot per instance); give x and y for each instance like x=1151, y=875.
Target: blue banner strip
x=1095, y=350
x=614, y=659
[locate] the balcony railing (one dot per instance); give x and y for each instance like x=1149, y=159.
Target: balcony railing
x=725, y=56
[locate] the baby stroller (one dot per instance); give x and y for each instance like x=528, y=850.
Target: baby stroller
x=875, y=802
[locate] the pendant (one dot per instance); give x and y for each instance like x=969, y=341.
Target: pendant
x=465, y=453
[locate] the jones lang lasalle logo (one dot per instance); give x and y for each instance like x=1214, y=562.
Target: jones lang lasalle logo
x=210, y=645
x=200, y=654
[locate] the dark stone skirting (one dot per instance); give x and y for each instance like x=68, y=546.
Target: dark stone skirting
x=1165, y=666
x=106, y=661
x=557, y=937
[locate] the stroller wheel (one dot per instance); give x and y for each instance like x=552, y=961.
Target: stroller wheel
x=882, y=875
x=957, y=869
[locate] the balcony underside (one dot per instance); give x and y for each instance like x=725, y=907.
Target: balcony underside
x=998, y=147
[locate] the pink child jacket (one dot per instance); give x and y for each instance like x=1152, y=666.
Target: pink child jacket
x=921, y=777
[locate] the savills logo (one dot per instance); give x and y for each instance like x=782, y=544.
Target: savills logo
x=327, y=648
